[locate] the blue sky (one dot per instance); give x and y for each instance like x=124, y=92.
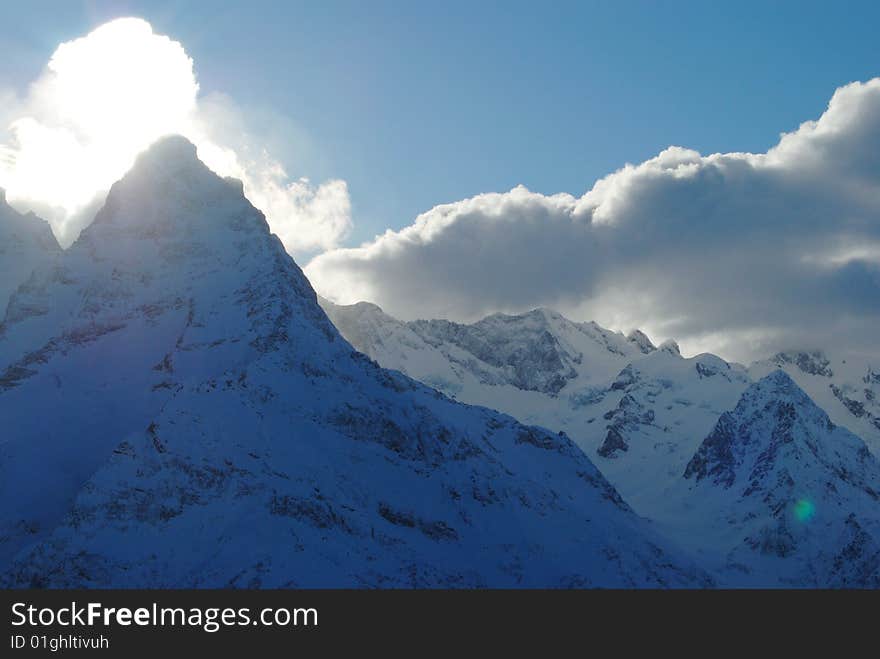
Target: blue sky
x=416, y=104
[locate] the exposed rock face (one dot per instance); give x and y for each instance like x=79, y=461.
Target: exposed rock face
x=628, y=417
x=844, y=385
x=812, y=363
x=209, y=427
x=786, y=483
x=522, y=350
x=539, y=351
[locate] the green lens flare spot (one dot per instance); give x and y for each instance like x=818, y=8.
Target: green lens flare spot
x=804, y=509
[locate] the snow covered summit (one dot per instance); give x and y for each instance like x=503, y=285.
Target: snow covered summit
x=179, y=411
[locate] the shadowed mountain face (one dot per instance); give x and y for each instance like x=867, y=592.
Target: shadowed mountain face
x=181, y=412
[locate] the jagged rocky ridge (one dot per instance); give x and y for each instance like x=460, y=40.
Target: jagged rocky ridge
x=179, y=412
x=540, y=351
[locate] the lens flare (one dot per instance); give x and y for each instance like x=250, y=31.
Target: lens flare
x=804, y=510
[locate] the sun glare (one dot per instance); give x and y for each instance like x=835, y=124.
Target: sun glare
x=102, y=99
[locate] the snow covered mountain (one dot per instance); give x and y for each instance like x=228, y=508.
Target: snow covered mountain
x=847, y=386
x=179, y=411
x=630, y=406
x=26, y=242
x=723, y=458
x=540, y=351
x=780, y=492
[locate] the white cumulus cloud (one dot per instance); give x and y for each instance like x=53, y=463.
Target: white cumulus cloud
x=105, y=97
x=739, y=253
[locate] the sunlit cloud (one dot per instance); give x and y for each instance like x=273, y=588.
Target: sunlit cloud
x=107, y=96
x=736, y=253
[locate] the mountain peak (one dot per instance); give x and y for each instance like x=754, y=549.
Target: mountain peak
x=168, y=197
x=779, y=479
x=170, y=169
x=170, y=151
x=779, y=382
x=772, y=414
x=26, y=243
x=25, y=228
x=172, y=233
x=641, y=340
x=671, y=347
x=367, y=307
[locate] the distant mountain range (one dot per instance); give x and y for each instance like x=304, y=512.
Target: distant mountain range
x=802, y=427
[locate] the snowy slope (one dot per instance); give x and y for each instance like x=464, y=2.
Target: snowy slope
x=26, y=242
x=779, y=495
x=179, y=411
x=633, y=408
x=538, y=366
x=658, y=410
